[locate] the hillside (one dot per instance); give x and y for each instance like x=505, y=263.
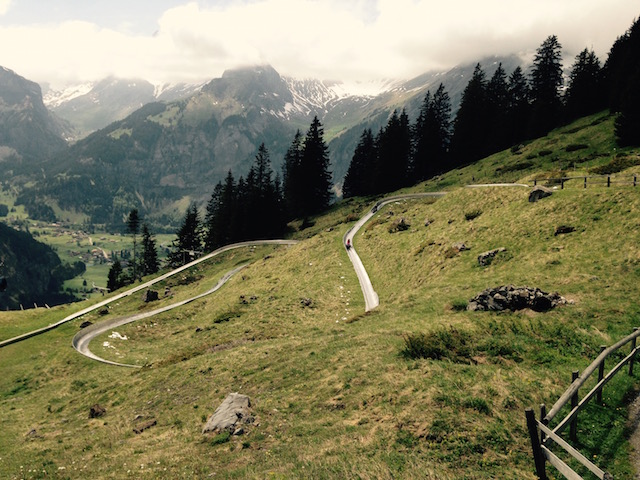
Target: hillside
x=332, y=393
x=33, y=271
x=167, y=153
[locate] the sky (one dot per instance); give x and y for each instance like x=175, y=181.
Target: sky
x=355, y=41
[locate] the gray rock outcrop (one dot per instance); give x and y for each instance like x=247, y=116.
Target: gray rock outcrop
x=149, y=296
x=234, y=410
x=539, y=192
x=513, y=298
x=486, y=258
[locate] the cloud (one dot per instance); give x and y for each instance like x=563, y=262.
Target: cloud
x=4, y=6
x=357, y=40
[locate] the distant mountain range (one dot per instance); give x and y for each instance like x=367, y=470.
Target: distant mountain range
x=153, y=148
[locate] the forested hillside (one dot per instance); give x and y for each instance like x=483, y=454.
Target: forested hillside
x=31, y=272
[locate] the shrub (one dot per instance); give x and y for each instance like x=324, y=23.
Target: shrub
x=616, y=165
x=575, y=146
x=472, y=214
x=221, y=438
x=544, y=153
x=452, y=344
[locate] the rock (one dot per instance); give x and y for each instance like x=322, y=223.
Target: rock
x=85, y=324
x=306, y=302
x=238, y=431
x=461, y=247
x=427, y=222
x=486, y=258
x=97, y=411
x=508, y=297
x=150, y=296
x=399, y=225
x=144, y=426
x=563, y=229
x=231, y=411
x=539, y=192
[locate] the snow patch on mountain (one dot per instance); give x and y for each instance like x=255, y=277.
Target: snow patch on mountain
x=55, y=98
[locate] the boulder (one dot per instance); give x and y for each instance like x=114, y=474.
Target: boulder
x=232, y=411
x=486, y=258
x=461, y=247
x=97, y=411
x=564, y=229
x=399, y=225
x=150, y=296
x=539, y=192
x=512, y=298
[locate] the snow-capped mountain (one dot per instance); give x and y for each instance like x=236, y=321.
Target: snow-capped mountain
x=94, y=105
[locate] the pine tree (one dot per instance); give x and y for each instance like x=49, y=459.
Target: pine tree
x=133, y=227
x=432, y=135
x=546, y=82
x=188, y=244
x=470, y=128
x=359, y=178
x=584, y=94
x=150, y=263
x=621, y=67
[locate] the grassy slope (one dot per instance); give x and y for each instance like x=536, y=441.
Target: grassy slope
x=332, y=394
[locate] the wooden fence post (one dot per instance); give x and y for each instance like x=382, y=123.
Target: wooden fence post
x=633, y=347
x=634, y=181
x=535, y=182
x=585, y=182
x=543, y=413
x=608, y=181
x=600, y=375
x=538, y=457
x=573, y=429
x=562, y=184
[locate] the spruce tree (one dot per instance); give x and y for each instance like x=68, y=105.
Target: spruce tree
x=292, y=188
x=432, y=135
x=584, y=93
x=133, y=227
x=470, y=128
x=188, y=244
x=359, y=178
x=497, y=105
x=150, y=263
x=546, y=82
x=394, y=154
x=519, y=107
x=314, y=170
x=115, y=277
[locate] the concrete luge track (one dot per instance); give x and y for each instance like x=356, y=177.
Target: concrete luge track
x=371, y=299
x=81, y=339
x=142, y=286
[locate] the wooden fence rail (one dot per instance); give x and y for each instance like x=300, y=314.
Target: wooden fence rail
x=595, y=180
x=541, y=435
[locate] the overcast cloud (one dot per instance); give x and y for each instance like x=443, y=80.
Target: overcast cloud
x=358, y=40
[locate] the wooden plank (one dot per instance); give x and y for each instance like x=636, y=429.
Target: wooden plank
x=583, y=403
x=571, y=451
x=562, y=467
x=575, y=386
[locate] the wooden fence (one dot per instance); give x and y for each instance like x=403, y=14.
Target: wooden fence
x=542, y=436
x=596, y=180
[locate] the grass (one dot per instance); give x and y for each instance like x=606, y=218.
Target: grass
x=332, y=393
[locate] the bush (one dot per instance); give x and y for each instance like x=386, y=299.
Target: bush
x=472, y=214
x=452, y=344
x=616, y=165
x=575, y=146
x=544, y=153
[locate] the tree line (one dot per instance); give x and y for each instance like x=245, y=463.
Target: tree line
x=497, y=113
x=494, y=114
x=259, y=205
